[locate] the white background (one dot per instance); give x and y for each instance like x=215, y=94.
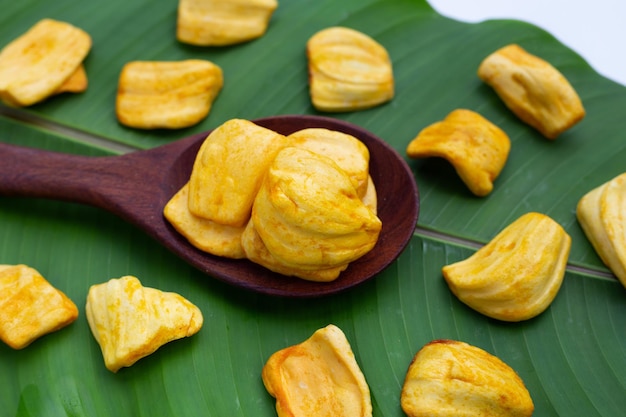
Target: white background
x=595, y=29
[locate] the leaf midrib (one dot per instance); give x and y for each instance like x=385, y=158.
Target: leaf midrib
x=107, y=144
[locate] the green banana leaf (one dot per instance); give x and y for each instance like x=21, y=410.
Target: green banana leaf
x=572, y=357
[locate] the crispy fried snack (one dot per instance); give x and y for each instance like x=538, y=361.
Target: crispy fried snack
x=370, y=198
x=348, y=71
x=257, y=252
x=130, y=321
x=455, y=379
x=169, y=95
x=302, y=205
x=77, y=83
x=228, y=171
x=318, y=377
x=37, y=64
x=476, y=148
x=204, y=234
x=223, y=22
x=517, y=274
x=533, y=89
x=602, y=216
x=345, y=150
x=30, y=306
x=309, y=215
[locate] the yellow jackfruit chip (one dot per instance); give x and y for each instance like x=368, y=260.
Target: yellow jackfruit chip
x=448, y=378
x=309, y=221
x=348, y=71
x=37, y=64
x=77, y=83
x=476, y=148
x=349, y=153
x=222, y=22
x=168, y=95
x=532, y=89
x=204, y=234
x=517, y=275
x=257, y=252
x=308, y=213
x=130, y=321
x=318, y=377
x=30, y=306
x=228, y=171
x=602, y=216
x=370, y=199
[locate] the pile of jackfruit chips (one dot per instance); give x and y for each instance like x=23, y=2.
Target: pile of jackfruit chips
x=302, y=205
x=348, y=70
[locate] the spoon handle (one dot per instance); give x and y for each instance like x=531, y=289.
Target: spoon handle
x=29, y=172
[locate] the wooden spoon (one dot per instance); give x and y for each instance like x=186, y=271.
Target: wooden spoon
x=136, y=187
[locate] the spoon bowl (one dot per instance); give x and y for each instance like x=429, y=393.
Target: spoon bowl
x=136, y=186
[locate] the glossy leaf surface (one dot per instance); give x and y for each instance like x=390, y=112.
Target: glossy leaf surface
x=572, y=357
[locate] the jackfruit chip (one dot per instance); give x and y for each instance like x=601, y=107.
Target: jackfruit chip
x=349, y=153
x=348, y=71
x=318, y=377
x=308, y=213
x=602, y=216
x=370, y=199
x=448, y=378
x=130, y=321
x=228, y=171
x=77, y=83
x=167, y=95
x=517, y=275
x=257, y=252
x=204, y=234
x=476, y=148
x=30, y=306
x=222, y=22
x=37, y=64
x=532, y=89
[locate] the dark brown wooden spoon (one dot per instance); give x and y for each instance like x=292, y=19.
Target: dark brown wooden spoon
x=136, y=187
